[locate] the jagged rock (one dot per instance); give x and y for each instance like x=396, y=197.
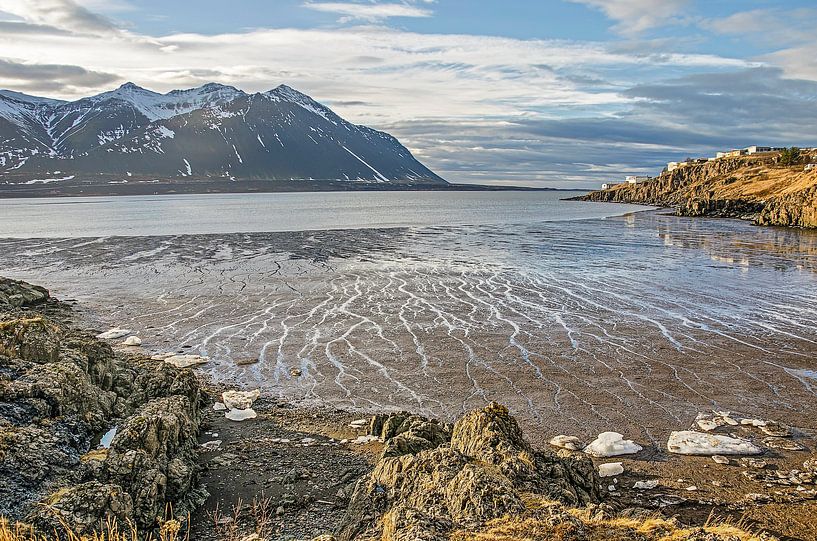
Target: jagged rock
x=412, y=434
x=30, y=338
x=16, y=294
x=60, y=388
x=84, y=507
x=152, y=454
x=481, y=474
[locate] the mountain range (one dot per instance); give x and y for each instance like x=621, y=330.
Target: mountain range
x=211, y=138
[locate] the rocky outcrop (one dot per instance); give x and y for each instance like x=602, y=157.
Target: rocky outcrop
x=482, y=471
x=750, y=188
x=60, y=389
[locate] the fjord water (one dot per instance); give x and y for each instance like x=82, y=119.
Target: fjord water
x=249, y=213
x=632, y=322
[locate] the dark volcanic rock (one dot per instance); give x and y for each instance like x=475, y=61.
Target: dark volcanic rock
x=480, y=475
x=59, y=389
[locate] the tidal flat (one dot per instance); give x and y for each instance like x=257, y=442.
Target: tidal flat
x=634, y=323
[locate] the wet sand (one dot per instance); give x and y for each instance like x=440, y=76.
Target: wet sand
x=633, y=324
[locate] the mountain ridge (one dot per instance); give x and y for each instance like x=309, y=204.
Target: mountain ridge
x=211, y=132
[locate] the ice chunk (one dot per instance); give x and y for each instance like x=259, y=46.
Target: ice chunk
x=720, y=459
x=132, y=341
x=114, y=333
x=240, y=399
x=611, y=444
x=241, y=415
x=688, y=442
x=610, y=469
x=571, y=443
x=219, y=406
x=707, y=425
x=185, y=361
x=646, y=485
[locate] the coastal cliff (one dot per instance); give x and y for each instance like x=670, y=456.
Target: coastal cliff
x=756, y=188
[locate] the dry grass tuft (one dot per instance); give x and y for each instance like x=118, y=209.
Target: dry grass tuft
x=169, y=530
x=548, y=520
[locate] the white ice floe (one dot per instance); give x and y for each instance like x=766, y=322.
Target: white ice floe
x=240, y=400
x=114, y=333
x=241, y=415
x=688, y=442
x=359, y=423
x=753, y=422
x=646, y=485
x=219, y=406
x=707, y=425
x=611, y=469
x=720, y=459
x=211, y=445
x=186, y=361
x=571, y=443
x=611, y=444
x=132, y=341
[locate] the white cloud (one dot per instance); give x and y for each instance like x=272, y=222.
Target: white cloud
x=63, y=14
x=368, y=12
x=638, y=15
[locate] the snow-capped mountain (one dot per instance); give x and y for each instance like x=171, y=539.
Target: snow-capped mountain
x=214, y=132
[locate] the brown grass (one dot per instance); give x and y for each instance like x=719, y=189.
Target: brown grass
x=169, y=530
x=538, y=524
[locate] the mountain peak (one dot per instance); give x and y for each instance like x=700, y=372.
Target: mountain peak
x=132, y=87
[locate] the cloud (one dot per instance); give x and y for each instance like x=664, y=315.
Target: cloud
x=638, y=15
x=368, y=12
x=475, y=108
x=50, y=77
x=62, y=14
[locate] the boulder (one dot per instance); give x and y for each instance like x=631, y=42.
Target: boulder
x=152, y=456
x=482, y=474
x=30, y=338
x=15, y=294
x=84, y=508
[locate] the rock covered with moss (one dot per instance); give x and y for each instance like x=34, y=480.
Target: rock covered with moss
x=60, y=389
x=481, y=471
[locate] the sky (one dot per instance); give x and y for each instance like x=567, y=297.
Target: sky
x=557, y=93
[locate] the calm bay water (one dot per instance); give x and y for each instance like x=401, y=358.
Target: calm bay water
x=248, y=213
x=578, y=316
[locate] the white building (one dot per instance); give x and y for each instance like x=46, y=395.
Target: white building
x=756, y=149
x=672, y=166
x=606, y=186
x=631, y=179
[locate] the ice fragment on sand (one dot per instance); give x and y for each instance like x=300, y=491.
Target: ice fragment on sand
x=185, y=361
x=646, y=485
x=211, y=445
x=240, y=400
x=720, y=459
x=132, y=341
x=610, y=469
x=360, y=440
x=241, y=415
x=707, y=424
x=219, y=406
x=688, y=442
x=114, y=333
x=571, y=443
x=611, y=444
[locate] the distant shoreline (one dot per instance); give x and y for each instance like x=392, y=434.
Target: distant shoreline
x=17, y=191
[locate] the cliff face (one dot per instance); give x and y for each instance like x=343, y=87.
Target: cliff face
x=756, y=188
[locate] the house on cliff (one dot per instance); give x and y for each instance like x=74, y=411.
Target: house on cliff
x=632, y=179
